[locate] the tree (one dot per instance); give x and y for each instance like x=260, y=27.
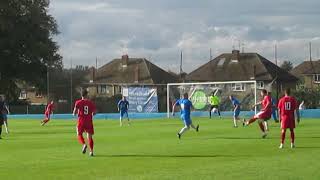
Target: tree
x=287, y=65
x=27, y=48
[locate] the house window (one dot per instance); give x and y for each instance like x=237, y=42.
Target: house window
x=316, y=78
x=23, y=95
x=102, y=89
x=234, y=61
x=38, y=95
x=260, y=85
x=238, y=87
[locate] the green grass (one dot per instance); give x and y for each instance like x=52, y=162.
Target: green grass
x=149, y=149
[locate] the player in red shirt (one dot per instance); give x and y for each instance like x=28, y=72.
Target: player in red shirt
x=288, y=107
x=85, y=109
x=47, y=113
x=264, y=114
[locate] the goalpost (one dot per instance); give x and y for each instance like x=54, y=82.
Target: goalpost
x=199, y=93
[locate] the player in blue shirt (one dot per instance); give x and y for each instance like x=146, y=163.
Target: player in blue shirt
x=123, y=106
x=185, y=106
x=236, y=111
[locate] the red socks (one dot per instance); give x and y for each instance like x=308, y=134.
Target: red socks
x=91, y=144
x=261, y=127
x=81, y=139
x=90, y=141
x=292, y=136
x=252, y=120
x=283, y=136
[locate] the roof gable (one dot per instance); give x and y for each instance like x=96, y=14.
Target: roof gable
x=136, y=69
x=239, y=67
x=307, y=67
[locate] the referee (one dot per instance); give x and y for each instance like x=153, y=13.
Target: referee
x=214, y=101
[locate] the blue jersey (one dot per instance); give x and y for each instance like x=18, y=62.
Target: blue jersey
x=123, y=105
x=235, y=102
x=185, y=105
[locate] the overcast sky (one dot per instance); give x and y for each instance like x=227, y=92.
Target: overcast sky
x=160, y=29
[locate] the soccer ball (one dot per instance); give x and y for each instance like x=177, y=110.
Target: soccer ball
x=214, y=110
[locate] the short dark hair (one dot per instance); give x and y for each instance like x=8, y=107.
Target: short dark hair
x=287, y=91
x=185, y=95
x=84, y=93
x=264, y=91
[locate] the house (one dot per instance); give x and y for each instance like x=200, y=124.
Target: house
x=107, y=82
x=308, y=73
x=31, y=94
x=238, y=66
x=109, y=79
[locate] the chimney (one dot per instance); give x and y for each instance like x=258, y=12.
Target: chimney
x=125, y=60
x=136, y=74
x=235, y=54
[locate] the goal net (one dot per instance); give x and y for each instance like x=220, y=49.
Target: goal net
x=199, y=93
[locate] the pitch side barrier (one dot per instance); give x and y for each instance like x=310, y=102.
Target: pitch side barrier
x=309, y=113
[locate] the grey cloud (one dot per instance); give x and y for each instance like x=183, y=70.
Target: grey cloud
x=160, y=29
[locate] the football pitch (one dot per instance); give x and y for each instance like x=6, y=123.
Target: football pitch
x=149, y=149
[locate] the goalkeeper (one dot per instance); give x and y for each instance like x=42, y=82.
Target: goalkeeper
x=214, y=101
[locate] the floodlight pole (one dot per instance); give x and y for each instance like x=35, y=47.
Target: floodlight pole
x=168, y=102
x=71, y=88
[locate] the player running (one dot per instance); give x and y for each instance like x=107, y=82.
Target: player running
x=288, y=107
x=236, y=110
x=85, y=109
x=185, y=105
x=123, y=106
x=1, y=116
x=47, y=113
x=214, y=101
x=264, y=114
x=5, y=111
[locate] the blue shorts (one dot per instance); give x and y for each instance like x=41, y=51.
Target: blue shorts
x=187, y=120
x=4, y=116
x=236, y=113
x=124, y=112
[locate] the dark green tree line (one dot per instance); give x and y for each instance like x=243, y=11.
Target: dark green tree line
x=27, y=47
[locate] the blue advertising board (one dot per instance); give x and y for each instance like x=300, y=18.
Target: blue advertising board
x=142, y=99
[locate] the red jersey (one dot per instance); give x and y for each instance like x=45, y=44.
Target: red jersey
x=287, y=106
x=266, y=104
x=49, y=108
x=86, y=109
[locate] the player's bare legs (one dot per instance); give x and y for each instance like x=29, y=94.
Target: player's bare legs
x=91, y=143
x=250, y=121
x=183, y=130
x=235, y=119
x=128, y=119
x=120, y=121
x=266, y=125
x=5, y=122
x=195, y=127
x=45, y=121
x=186, y=128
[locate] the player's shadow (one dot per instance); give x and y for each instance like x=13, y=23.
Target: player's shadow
x=164, y=156
x=308, y=147
x=232, y=138
x=314, y=137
